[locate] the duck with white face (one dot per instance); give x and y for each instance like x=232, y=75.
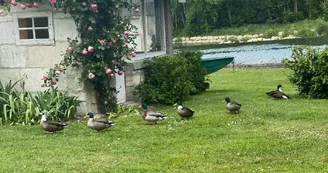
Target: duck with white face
x=49, y=125
x=278, y=94
x=183, y=111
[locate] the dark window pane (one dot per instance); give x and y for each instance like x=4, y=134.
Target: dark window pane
x=41, y=33
x=26, y=34
x=25, y=23
x=41, y=22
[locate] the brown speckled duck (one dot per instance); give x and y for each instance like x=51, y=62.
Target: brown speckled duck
x=51, y=126
x=278, y=94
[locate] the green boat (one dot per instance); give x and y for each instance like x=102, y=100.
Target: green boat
x=214, y=64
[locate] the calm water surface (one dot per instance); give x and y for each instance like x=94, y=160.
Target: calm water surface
x=258, y=53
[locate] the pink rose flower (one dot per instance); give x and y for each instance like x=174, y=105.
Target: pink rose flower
x=35, y=5
x=134, y=54
x=22, y=6
x=44, y=77
x=112, y=75
x=133, y=17
x=90, y=29
x=120, y=72
x=84, y=4
x=94, y=7
x=137, y=10
x=54, y=82
x=110, y=44
x=84, y=52
x=52, y=1
x=114, y=41
x=14, y=3
x=108, y=71
x=28, y=5
x=90, y=49
x=126, y=32
x=102, y=42
x=1, y=11
x=91, y=75
x=69, y=49
x=57, y=72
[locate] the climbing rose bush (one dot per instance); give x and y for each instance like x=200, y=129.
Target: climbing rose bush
x=106, y=41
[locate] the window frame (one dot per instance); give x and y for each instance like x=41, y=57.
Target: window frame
x=49, y=41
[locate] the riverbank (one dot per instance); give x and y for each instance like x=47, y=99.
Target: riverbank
x=226, y=39
x=256, y=33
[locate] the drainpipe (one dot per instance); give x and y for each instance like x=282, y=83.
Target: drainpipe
x=144, y=24
x=168, y=27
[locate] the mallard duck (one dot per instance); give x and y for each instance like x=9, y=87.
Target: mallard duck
x=278, y=94
x=151, y=116
x=98, y=124
x=51, y=126
x=232, y=106
x=183, y=111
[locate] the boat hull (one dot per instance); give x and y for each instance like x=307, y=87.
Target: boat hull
x=214, y=64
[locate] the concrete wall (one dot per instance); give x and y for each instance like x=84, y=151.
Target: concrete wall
x=134, y=73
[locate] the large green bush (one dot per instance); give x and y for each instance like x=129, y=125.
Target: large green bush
x=168, y=79
x=310, y=71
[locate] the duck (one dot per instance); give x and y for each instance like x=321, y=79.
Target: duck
x=232, y=106
x=151, y=116
x=98, y=124
x=51, y=126
x=278, y=94
x=184, y=111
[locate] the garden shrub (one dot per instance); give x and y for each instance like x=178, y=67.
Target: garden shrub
x=270, y=33
x=196, y=72
x=307, y=32
x=322, y=28
x=24, y=108
x=310, y=71
x=168, y=79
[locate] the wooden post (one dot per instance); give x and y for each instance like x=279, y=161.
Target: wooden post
x=168, y=27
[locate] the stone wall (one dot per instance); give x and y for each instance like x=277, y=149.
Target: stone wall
x=227, y=39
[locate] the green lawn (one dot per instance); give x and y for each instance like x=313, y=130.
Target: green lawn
x=266, y=136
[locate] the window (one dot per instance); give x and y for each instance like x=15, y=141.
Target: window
x=150, y=22
x=34, y=28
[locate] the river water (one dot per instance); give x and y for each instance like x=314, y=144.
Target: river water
x=257, y=53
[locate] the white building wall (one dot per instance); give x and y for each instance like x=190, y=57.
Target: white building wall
x=35, y=60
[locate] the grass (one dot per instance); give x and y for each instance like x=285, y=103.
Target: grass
x=266, y=136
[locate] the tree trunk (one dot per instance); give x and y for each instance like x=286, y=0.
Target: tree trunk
x=310, y=10
x=269, y=13
x=295, y=6
x=168, y=27
x=229, y=16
